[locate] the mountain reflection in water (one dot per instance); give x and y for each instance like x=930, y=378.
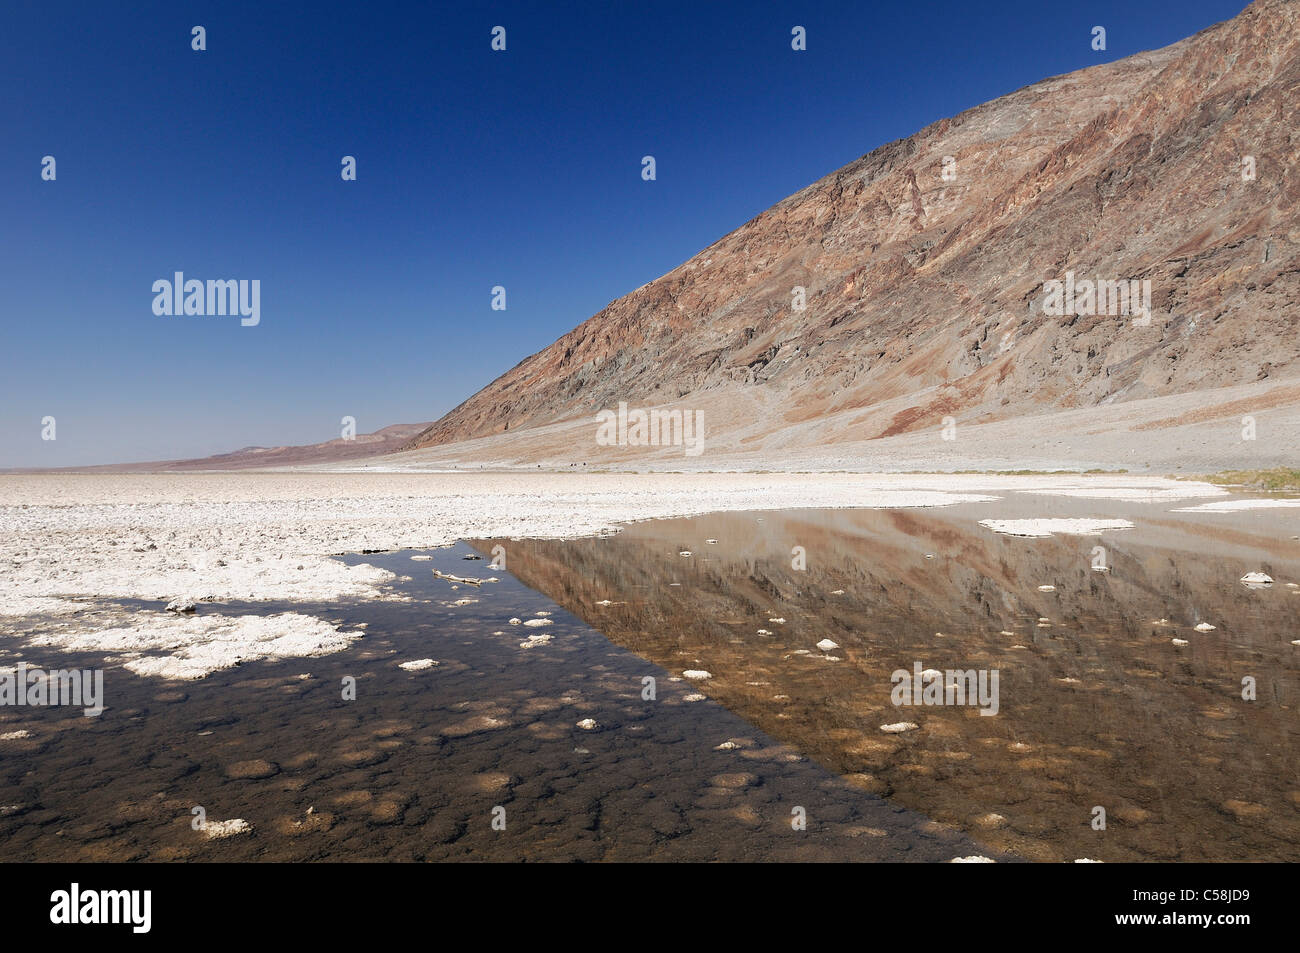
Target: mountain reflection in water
x=1099, y=706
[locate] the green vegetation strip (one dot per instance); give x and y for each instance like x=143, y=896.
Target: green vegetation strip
x=1278, y=478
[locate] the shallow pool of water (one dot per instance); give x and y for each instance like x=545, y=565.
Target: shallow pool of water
x=1100, y=706
x=421, y=763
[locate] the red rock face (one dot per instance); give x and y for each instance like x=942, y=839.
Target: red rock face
x=925, y=295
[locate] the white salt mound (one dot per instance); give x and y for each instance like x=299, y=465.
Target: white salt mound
x=1039, y=528
x=826, y=645
x=1230, y=506
x=696, y=673
x=899, y=727
x=418, y=665
x=1152, y=492
x=219, y=829
x=187, y=647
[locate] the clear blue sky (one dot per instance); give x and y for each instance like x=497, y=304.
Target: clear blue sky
x=475, y=169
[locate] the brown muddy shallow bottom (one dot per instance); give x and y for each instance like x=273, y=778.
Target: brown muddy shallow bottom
x=1100, y=708
x=415, y=767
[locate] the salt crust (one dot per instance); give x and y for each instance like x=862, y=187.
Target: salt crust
x=71, y=543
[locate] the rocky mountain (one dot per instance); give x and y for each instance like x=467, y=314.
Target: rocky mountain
x=925, y=267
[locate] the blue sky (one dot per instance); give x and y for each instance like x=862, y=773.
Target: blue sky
x=474, y=169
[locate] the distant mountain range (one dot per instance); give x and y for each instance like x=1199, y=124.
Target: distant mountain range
x=249, y=458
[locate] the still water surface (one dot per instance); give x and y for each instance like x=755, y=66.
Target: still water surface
x=414, y=767
x=1099, y=706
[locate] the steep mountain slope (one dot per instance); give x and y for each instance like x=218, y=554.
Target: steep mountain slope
x=925, y=293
